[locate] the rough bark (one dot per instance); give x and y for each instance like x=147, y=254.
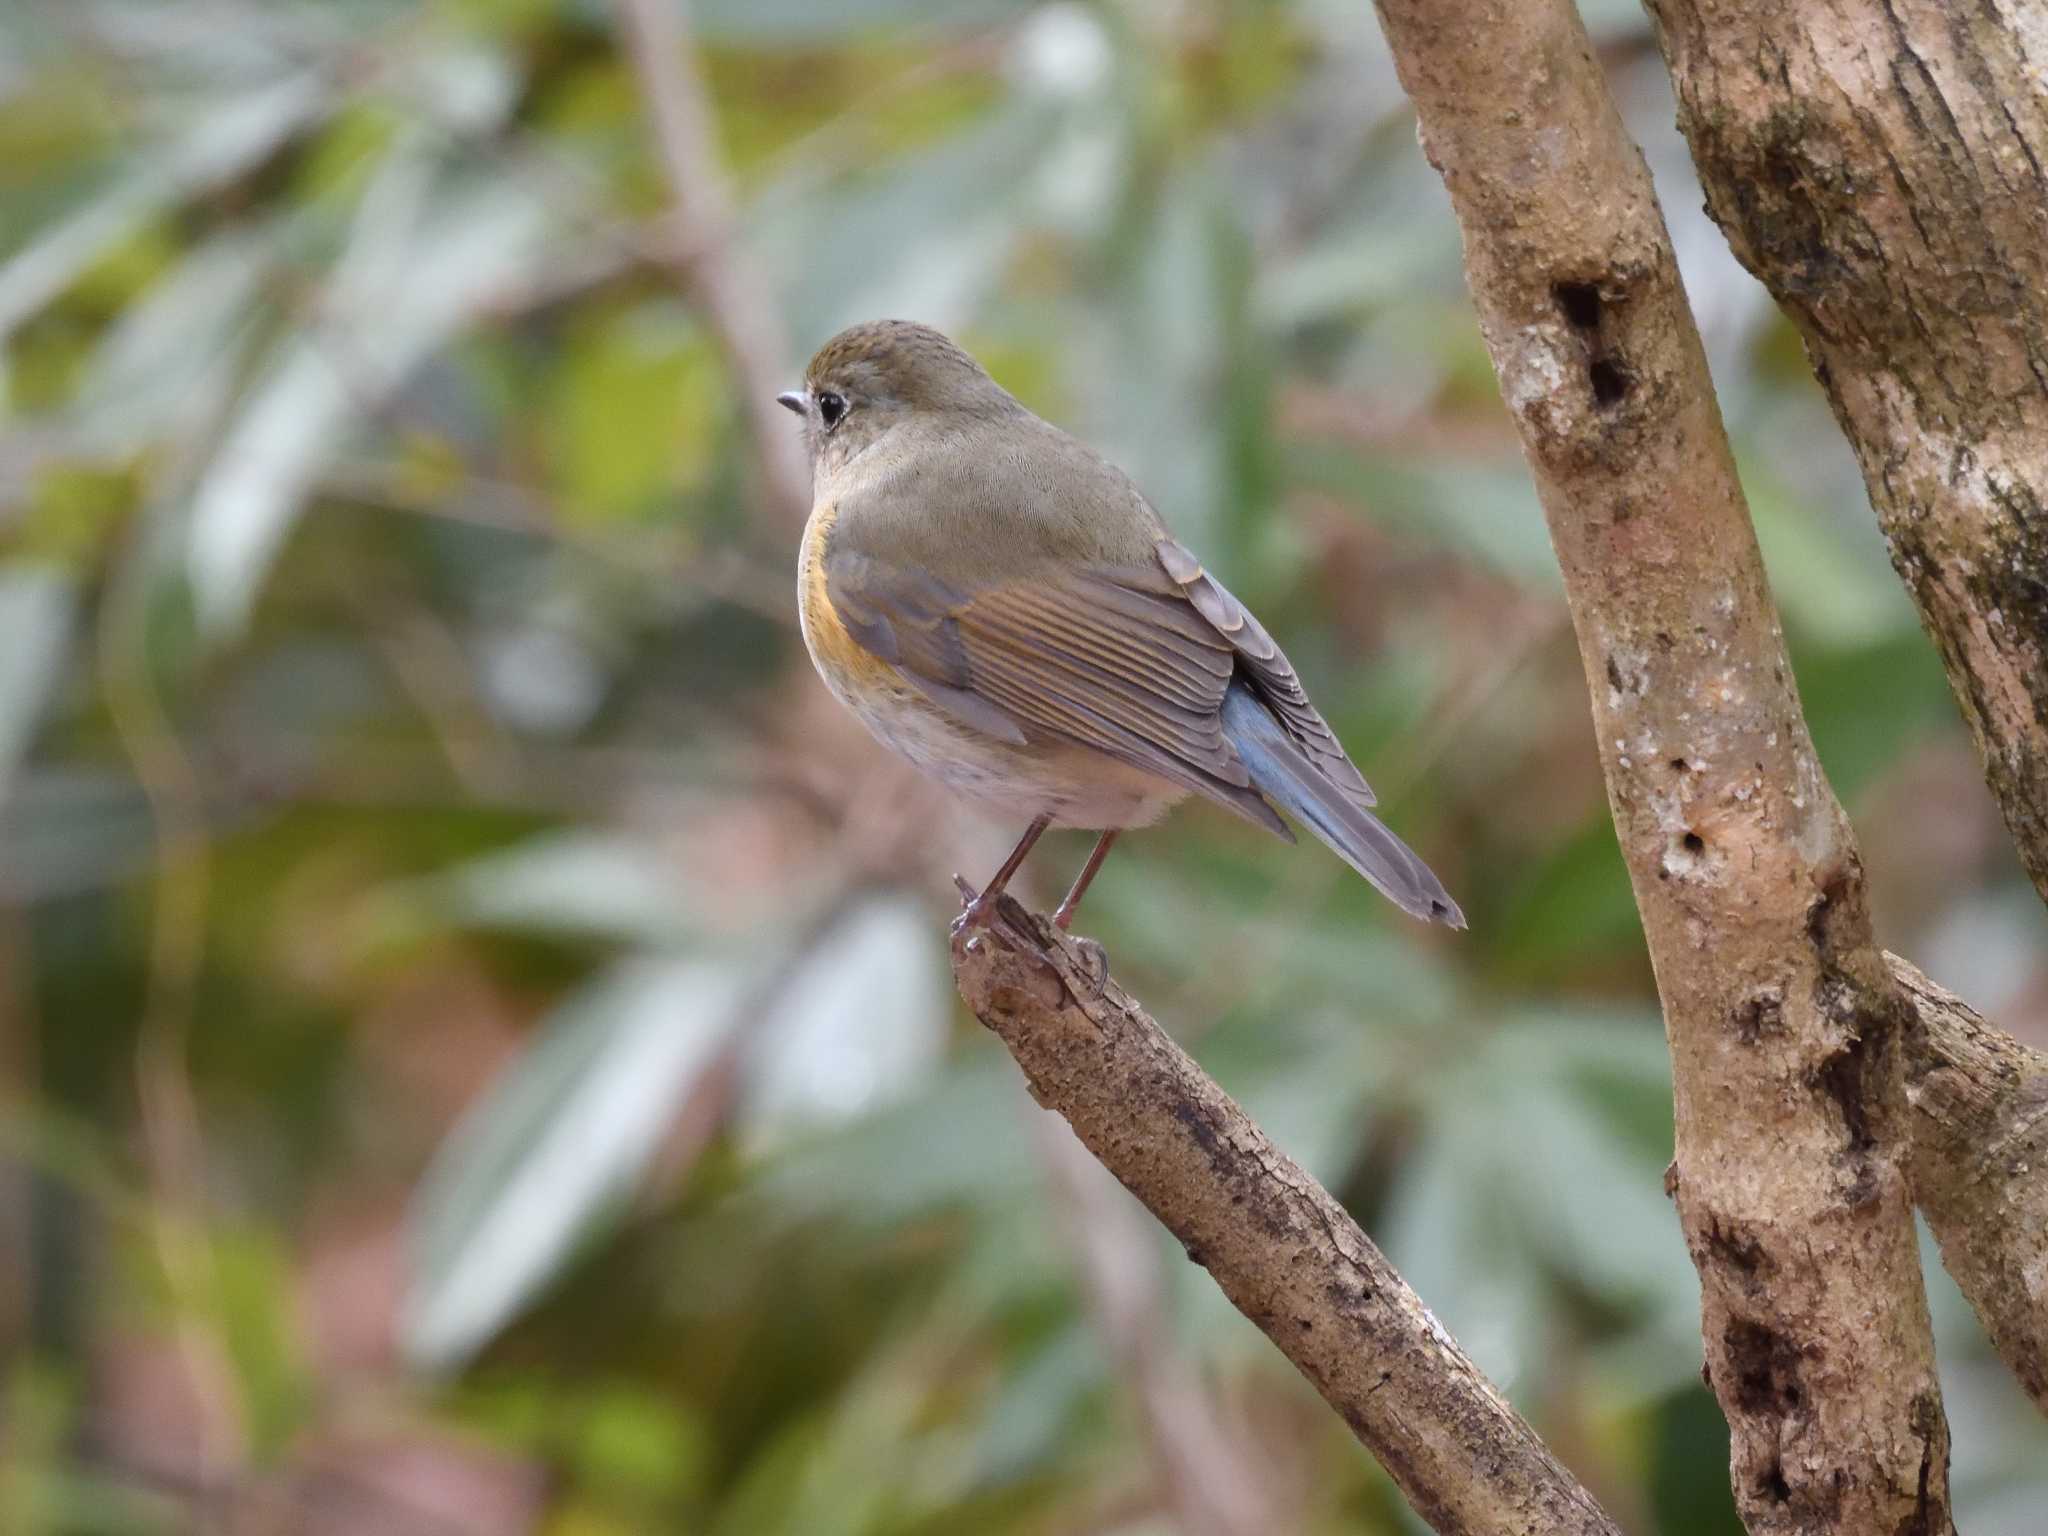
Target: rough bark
x=1879, y=164
x=1785, y=1024
x=1979, y=1167
x=1286, y=1254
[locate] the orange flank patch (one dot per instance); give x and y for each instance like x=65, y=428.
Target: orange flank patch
x=840, y=659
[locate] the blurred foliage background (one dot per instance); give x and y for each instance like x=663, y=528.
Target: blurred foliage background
x=476, y=1043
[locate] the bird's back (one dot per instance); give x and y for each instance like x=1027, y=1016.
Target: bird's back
x=994, y=497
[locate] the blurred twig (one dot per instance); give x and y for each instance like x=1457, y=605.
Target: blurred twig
x=429, y=663
x=177, y=943
x=725, y=574
x=740, y=312
x=1286, y=1254
x=18, y=1085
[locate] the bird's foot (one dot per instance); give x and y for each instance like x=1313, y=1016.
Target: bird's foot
x=975, y=909
x=979, y=910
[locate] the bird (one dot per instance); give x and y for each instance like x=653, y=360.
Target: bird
x=999, y=604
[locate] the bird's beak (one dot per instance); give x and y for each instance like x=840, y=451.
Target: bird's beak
x=793, y=399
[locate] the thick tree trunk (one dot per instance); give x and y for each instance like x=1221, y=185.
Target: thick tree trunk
x=1786, y=1026
x=1879, y=164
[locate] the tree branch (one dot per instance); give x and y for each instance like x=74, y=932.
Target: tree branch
x=1883, y=177
x=1286, y=1254
x=1879, y=165
x=734, y=304
x=1786, y=1027
x=1979, y=1167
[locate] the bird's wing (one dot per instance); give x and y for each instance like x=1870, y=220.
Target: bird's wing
x=1267, y=669
x=1116, y=660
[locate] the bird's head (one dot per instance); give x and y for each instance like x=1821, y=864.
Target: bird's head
x=873, y=378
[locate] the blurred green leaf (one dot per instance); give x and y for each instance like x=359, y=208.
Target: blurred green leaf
x=880, y=1169
x=631, y=1442
x=428, y=258
x=170, y=359
x=558, y=1138
x=637, y=412
x=1838, y=592
x=36, y=607
x=1534, y=1158
x=860, y=1021
x=72, y=831
x=1570, y=908
x=228, y=137
x=577, y=885
x=1491, y=513
x=253, y=1282
x=1865, y=704
x=924, y=236
x=787, y=23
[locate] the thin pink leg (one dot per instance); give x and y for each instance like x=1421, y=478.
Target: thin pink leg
x=978, y=909
x=1063, y=915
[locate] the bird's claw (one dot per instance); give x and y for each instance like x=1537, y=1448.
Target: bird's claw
x=978, y=910
x=975, y=909
x=1098, y=963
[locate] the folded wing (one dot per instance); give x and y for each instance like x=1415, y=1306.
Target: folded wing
x=1118, y=661
x=1268, y=671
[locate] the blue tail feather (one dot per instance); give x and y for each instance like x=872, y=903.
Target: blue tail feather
x=1283, y=773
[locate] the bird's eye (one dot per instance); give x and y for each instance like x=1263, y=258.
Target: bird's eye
x=831, y=408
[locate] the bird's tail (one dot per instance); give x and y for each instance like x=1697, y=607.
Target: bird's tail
x=1284, y=774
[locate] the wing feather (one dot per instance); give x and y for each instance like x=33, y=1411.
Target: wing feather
x=1267, y=669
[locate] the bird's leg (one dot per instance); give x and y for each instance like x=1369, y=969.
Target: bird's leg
x=978, y=910
x=1063, y=914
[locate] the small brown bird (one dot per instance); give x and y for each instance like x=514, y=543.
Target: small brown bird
x=999, y=604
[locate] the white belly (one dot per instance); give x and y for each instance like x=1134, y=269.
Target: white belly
x=1076, y=786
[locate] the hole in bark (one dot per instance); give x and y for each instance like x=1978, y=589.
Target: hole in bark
x=1684, y=856
x=1761, y=1013
x=1580, y=303
x=1609, y=379
x=1925, y=1519
x=1841, y=1078
x=1679, y=765
x=1772, y=1484
x=1834, y=881
x=1766, y=1367
x=1736, y=1249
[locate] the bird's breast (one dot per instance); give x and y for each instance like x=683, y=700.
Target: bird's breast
x=851, y=671
x=1076, y=785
